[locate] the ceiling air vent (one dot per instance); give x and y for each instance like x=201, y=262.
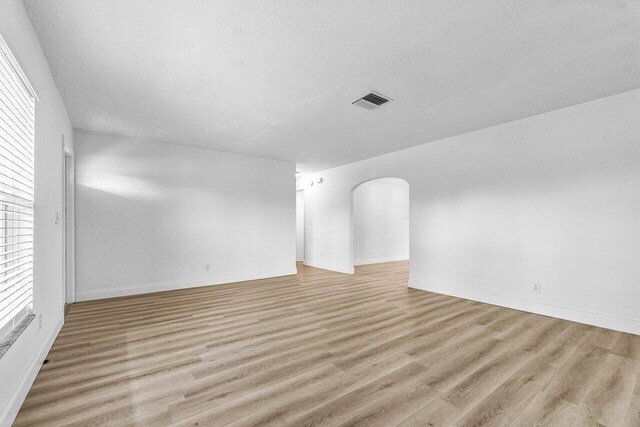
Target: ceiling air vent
x=371, y=101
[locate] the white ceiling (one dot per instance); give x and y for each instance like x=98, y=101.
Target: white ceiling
x=276, y=78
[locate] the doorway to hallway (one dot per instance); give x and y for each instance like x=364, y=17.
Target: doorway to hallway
x=380, y=221
x=300, y=226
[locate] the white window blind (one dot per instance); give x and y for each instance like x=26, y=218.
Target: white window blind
x=17, y=118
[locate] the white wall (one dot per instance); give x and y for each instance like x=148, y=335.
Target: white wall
x=381, y=221
x=299, y=225
x=21, y=363
x=149, y=212
x=553, y=199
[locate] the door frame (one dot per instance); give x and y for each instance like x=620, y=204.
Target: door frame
x=304, y=227
x=68, y=223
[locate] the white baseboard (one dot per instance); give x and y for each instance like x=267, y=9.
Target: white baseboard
x=379, y=260
x=17, y=398
x=602, y=320
x=171, y=286
x=328, y=267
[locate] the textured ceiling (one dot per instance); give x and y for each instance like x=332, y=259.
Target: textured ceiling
x=276, y=78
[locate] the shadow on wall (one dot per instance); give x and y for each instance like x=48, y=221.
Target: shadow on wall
x=379, y=221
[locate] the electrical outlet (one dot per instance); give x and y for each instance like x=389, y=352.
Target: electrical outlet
x=207, y=267
x=535, y=288
x=40, y=321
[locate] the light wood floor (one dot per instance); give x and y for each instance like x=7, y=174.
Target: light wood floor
x=323, y=348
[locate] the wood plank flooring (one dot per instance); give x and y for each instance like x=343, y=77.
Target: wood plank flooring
x=323, y=348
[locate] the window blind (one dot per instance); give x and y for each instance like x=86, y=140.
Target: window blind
x=17, y=118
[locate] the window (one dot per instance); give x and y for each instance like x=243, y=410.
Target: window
x=17, y=113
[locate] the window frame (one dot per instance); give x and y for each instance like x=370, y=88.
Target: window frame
x=19, y=320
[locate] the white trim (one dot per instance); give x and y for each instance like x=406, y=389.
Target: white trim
x=175, y=285
x=602, y=320
x=17, y=398
x=4, y=49
x=68, y=208
x=379, y=260
x=304, y=227
x=329, y=267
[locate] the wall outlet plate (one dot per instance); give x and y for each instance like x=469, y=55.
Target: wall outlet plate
x=535, y=288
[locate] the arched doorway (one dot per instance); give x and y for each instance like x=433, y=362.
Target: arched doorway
x=379, y=221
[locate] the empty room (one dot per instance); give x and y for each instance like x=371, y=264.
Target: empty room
x=319, y=213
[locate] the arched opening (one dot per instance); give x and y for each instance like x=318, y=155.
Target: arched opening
x=379, y=222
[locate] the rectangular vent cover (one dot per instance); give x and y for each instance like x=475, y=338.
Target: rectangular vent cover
x=371, y=101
